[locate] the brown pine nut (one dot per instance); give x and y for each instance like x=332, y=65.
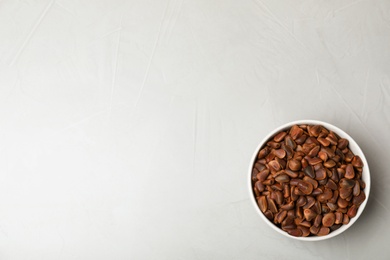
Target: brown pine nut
x=307, y=181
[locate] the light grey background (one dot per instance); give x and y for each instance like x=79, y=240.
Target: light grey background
x=126, y=127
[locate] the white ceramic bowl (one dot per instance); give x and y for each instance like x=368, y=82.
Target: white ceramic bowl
x=353, y=146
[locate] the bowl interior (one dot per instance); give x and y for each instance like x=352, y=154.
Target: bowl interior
x=353, y=146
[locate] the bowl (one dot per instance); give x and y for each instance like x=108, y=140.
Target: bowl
x=353, y=146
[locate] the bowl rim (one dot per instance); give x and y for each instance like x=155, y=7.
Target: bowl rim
x=356, y=150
